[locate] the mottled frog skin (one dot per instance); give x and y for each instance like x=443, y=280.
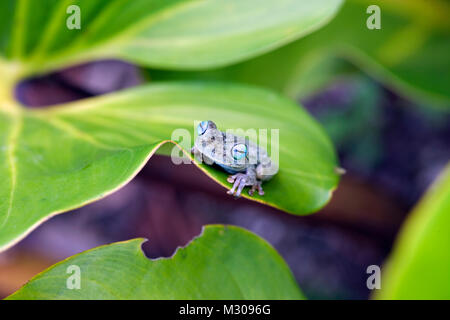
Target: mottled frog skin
x=248, y=164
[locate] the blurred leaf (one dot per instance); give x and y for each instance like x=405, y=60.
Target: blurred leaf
x=225, y=262
x=180, y=34
x=409, y=53
x=63, y=157
x=419, y=265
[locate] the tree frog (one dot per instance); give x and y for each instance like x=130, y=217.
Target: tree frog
x=248, y=164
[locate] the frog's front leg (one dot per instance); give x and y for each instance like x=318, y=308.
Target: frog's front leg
x=240, y=180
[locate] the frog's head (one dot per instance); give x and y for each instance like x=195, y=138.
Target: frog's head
x=204, y=126
x=209, y=137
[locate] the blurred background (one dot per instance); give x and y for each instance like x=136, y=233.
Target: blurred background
x=392, y=150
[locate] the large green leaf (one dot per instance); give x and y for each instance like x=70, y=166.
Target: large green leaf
x=165, y=33
x=409, y=52
x=56, y=159
x=225, y=262
x=419, y=265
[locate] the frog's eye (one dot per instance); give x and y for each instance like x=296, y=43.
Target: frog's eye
x=239, y=151
x=201, y=128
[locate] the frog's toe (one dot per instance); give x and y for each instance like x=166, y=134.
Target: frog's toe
x=260, y=189
x=231, y=179
x=254, y=187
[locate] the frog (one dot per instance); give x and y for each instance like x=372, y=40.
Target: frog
x=247, y=163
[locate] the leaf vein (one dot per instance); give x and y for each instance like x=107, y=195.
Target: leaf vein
x=11, y=143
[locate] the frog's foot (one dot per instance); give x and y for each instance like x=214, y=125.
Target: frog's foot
x=258, y=186
x=240, y=180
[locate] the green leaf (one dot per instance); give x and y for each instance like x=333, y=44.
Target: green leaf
x=225, y=262
x=419, y=265
x=60, y=158
x=408, y=53
x=187, y=34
